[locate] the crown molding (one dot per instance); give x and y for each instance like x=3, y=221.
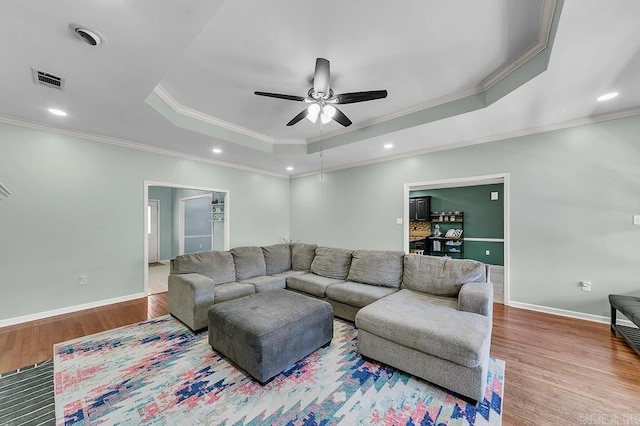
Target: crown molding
x=180, y=109
x=546, y=26
x=609, y=116
x=548, y=12
x=133, y=145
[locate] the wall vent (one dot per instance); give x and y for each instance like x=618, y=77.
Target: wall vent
x=46, y=79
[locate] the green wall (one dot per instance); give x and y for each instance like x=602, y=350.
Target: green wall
x=77, y=208
x=483, y=217
x=572, y=194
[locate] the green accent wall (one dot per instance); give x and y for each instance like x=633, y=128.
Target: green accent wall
x=483, y=217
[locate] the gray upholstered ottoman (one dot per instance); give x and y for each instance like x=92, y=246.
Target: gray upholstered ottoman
x=267, y=333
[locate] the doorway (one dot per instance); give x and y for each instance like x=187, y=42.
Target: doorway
x=498, y=273
x=211, y=232
x=196, y=224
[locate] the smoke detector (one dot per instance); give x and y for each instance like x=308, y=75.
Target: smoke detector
x=87, y=35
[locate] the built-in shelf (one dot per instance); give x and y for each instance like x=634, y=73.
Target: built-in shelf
x=217, y=211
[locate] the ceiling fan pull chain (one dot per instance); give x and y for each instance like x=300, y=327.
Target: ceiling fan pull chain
x=321, y=152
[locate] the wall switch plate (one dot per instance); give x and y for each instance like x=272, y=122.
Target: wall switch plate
x=398, y=221
x=494, y=196
x=84, y=280
x=636, y=219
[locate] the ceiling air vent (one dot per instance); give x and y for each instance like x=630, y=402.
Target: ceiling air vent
x=46, y=79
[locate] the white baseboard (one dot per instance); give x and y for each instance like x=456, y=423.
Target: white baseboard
x=69, y=309
x=570, y=314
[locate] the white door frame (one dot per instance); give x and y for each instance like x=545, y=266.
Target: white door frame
x=157, y=227
x=467, y=181
x=143, y=231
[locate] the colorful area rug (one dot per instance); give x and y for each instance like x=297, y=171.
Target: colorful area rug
x=159, y=372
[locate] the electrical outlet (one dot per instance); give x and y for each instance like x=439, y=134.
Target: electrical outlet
x=398, y=221
x=84, y=280
x=586, y=285
x=487, y=252
x=636, y=219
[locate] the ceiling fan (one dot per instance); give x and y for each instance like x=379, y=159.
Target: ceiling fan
x=322, y=99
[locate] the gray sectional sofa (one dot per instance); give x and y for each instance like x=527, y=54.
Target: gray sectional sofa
x=429, y=316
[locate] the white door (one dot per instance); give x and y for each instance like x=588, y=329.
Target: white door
x=196, y=231
x=152, y=230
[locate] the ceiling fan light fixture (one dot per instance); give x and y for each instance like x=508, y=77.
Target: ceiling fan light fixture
x=328, y=112
x=313, y=112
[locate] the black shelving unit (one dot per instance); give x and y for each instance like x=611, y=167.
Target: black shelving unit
x=443, y=245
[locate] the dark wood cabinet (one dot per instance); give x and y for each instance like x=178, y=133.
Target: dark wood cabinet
x=419, y=208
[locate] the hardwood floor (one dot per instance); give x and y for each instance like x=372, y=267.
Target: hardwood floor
x=559, y=371
x=32, y=342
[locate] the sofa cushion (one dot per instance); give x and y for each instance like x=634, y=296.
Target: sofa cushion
x=302, y=255
x=277, y=258
x=314, y=285
x=231, y=291
x=377, y=267
x=264, y=283
x=357, y=294
x=290, y=273
x=332, y=262
x=217, y=265
x=439, y=275
x=429, y=324
x=249, y=262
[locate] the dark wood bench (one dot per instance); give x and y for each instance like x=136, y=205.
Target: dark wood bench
x=629, y=306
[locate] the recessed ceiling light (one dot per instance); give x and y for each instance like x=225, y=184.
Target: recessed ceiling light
x=289, y=169
x=57, y=112
x=216, y=150
x=87, y=35
x=607, y=96
x=388, y=146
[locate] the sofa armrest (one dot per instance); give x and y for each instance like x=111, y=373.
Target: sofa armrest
x=190, y=297
x=476, y=298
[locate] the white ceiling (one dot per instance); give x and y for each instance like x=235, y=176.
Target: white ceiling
x=179, y=77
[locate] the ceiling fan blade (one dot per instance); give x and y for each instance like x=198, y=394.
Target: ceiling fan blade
x=341, y=118
x=298, y=117
x=321, y=77
x=281, y=96
x=351, y=98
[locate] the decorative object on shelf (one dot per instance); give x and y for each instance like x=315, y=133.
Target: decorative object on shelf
x=436, y=231
x=217, y=211
x=453, y=233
